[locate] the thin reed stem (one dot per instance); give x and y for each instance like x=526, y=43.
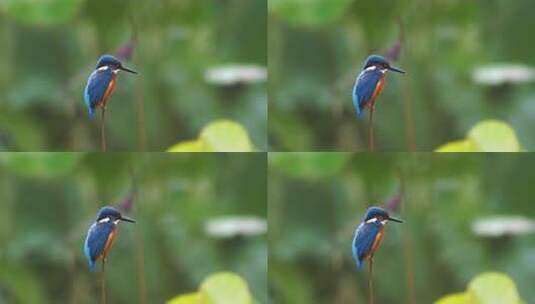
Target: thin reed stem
x=371, y=142
x=370, y=281
x=103, y=130
x=103, y=283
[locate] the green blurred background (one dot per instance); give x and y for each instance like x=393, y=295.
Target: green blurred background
x=49, y=48
x=48, y=201
x=317, y=200
x=317, y=48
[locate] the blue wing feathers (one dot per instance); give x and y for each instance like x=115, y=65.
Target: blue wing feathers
x=363, y=241
x=356, y=101
x=96, y=241
x=96, y=87
x=355, y=252
x=87, y=99
x=87, y=250
x=364, y=87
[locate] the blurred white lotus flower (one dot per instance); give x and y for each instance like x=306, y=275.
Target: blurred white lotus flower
x=503, y=225
x=232, y=226
x=234, y=74
x=498, y=74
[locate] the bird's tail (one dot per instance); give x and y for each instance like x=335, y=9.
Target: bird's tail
x=359, y=263
x=91, y=112
x=356, y=103
x=87, y=253
x=359, y=112
x=91, y=265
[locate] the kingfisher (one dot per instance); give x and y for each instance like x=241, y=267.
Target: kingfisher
x=101, y=83
x=369, y=233
x=370, y=82
x=101, y=235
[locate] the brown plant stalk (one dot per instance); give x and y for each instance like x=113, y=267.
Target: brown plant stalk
x=371, y=142
x=370, y=281
x=103, y=130
x=103, y=282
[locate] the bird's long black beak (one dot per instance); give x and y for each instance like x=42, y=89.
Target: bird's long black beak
x=128, y=70
x=396, y=70
x=394, y=219
x=126, y=219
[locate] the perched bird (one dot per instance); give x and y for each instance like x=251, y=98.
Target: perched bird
x=370, y=82
x=101, y=83
x=101, y=235
x=369, y=233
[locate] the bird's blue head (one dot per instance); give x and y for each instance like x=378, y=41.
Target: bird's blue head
x=113, y=63
x=381, y=63
x=112, y=214
x=379, y=214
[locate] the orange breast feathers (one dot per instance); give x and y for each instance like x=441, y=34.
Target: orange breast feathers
x=109, y=91
x=377, y=241
x=378, y=89
x=109, y=243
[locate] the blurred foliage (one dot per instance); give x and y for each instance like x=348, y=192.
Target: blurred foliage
x=486, y=288
x=485, y=136
x=434, y=252
x=309, y=165
x=51, y=47
x=317, y=48
x=51, y=12
x=45, y=212
x=218, y=136
x=40, y=164
x=220, y=288
x=315, y=12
